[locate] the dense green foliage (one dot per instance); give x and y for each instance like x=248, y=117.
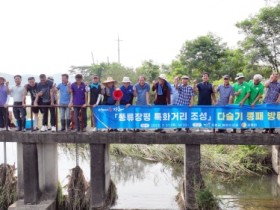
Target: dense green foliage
x=262, y=42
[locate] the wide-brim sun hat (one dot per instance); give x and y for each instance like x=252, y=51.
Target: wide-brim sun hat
x=239, y=76
x=108, y=80
x=184, y=77
x=162, y=76
x=126, y=80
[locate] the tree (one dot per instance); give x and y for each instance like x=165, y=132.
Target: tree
x=202, y=54
x=149, y=70
x=104, y=70
x=262, y=41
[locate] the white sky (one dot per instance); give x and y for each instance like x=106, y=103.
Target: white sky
x=49, y=36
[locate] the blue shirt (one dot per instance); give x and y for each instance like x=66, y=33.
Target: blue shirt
x=225, y=93
x=127, y=95
x=272, y=93
x=64, y=94
x=141, y=93
x=185, y=95
x=3, y=95
x=174, y=95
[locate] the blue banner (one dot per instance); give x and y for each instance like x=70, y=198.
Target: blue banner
x=153, y=117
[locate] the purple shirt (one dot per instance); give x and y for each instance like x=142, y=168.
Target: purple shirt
x=272, y=93
x=3, y=95
x=78, y=93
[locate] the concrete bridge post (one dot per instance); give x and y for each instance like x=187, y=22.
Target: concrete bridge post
x=30, y=173
x=99, y=175
x=193, y=179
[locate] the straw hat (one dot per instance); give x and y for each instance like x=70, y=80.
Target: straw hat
x=126, y=80
x=162, y=76
x=108, y=80
x=185, y=77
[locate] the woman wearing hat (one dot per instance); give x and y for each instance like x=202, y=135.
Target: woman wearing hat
x=108, y=93
x=127, y=90
x=108, y=90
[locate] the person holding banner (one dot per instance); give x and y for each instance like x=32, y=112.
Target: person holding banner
x=128, y=93
x=174, y=91
x=163, y=91
x=142, y=92
x=241, y=93
x=272, y=95
x=185, y=96
x=108, y=93
x=206, y=93
x=226, y=94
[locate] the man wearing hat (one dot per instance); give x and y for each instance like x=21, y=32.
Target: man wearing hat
x=94, y=96
x=241, y=93
x=226, y=94
x=185, y=95
x=79, y=100
x=4, y=100
x=163, y=91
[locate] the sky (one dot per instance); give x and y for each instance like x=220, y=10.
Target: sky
x=50, y=36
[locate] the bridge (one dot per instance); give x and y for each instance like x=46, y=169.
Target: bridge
x=37, y=160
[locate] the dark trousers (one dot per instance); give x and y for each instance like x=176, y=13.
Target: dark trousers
x=84, y=117
x=46, y=114
x=20, y=115
x=3, y=113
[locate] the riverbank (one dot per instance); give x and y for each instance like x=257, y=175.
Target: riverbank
x=230, y=161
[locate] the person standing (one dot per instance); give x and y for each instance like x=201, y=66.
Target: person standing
x=31, y=87
x=79, y=101
x=4, y=101
x=108, y=93
x=64, y=89
x=272, y=95
x=241, y=93
x=128, y=93
x=185, y=95
x=19, y=111
x=108, y=90
x=163, y=92
x=226, y=94
x=174, y=91
x=45, y=99
x=205, y=90
x=142, y=92
x=94, y=97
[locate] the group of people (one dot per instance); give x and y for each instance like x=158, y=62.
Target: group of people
x=79, y=95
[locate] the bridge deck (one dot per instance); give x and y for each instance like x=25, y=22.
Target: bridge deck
x=141, y=138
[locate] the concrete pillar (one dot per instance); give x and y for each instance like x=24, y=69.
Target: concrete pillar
x=30, y=173
x=276, y=161
x=193, y=178
x=20, y=182
x=100, y=174
x=48, y=169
